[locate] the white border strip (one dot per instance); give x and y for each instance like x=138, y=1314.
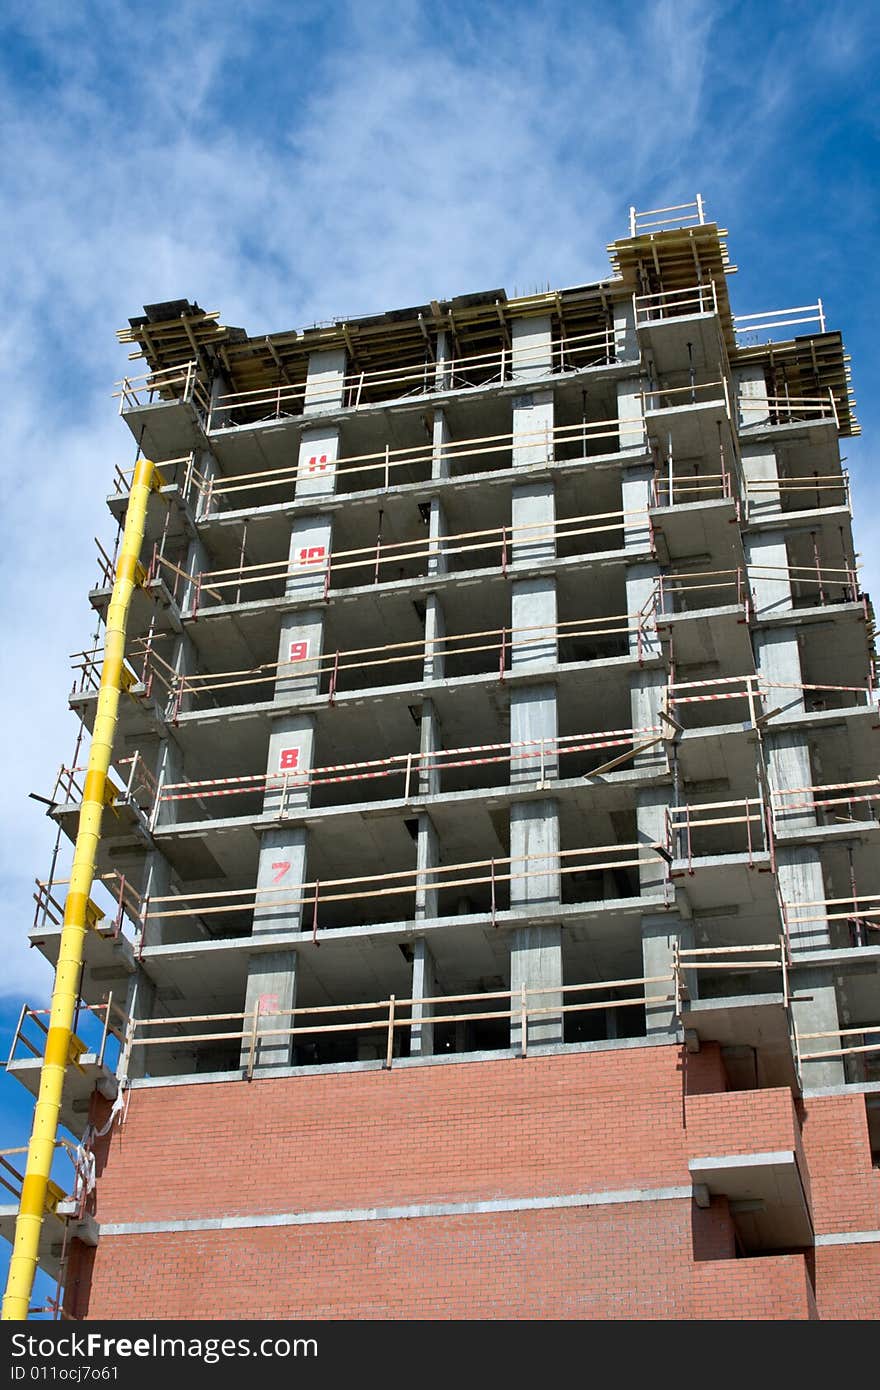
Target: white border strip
x=427, y=1209
x=850, y=1238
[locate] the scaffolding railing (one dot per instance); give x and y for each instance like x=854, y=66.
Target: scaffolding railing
x=31, y=1031
x=686, y=822
x=829, y=802
x=142, y=667
x=750, y=325
x=181, y=383
x=495, y=547
x=670, y=488
x=660, y=398
x=429, y=377
x=11, y=1178
x=687, y=591
x=125, y=898
x=673, y=486
x=542, y=758
x=859, y=913
x=138, y=785
x=819, y=583
x=386, y=464
x=86, y=666
x=634, y=630
x=765, y=698
x=864, y=1049
x=663, y=305
x=106, y=563
x=689, y=962
x=180, y=472
x=814, y=486
x=667, y=219
x=390, y=1016
x=826, y=578
x=787, y=410
x=495, y=875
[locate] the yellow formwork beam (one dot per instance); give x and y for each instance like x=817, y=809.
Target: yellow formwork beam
x=78, y=910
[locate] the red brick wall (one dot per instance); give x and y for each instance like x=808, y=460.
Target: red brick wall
x=602, y=1262
x=506, y=1128
x=589, y=1122
x=845, y=1188
x=848, y=1281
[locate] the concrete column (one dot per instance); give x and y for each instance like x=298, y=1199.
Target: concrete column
x=197, y=562
x=435, y=631
x=626, y=343
x=325, y=384
x=282, y=866
x=533, y=623
x=300, y=649
x=317, y=461
x=427, y=858
x=635, y=494
x=799, y=867
x=169, y=771
x=642, y=600
x=767, y=568
x=761, y=468
x=444, y=354
x=751, y=392
x=533, y=723
x=184, y=662
x=778, y=663
x=291, y=757
x=140, y=1003
x=310, y=543
x=536, y=950
x=441, y=437
x=219, y=418
x=647, y=699
x=630, y=416
x=651, y=806
x=424, y=986
x=814, y=1001
x=157, y=884
x=206, y=503
x=430, y=741
x=271, y=980
x=533, y=535
x=532, y=429
x=438, y=532
x=532, y=354
x=660, y=933
x=787, y=760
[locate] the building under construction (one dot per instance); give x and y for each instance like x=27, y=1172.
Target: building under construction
x=484, y=915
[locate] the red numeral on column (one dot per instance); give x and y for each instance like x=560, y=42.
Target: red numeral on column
x=311, y=555
x=280, y=869
x=288, y=759
x=299, y=650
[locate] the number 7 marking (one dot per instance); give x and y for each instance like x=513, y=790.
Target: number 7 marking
x=282, y=866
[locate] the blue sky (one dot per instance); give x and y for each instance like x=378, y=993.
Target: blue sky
x=288, y=162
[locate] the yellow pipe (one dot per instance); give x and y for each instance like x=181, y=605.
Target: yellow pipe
x=35, y=1187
